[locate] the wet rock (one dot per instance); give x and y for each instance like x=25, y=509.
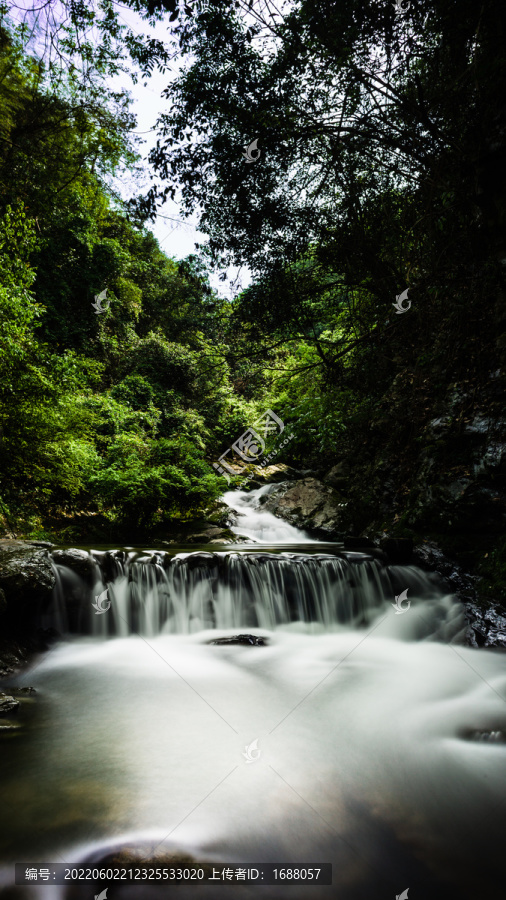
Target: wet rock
x=8, y=705
x=47, y=544
x=78, y=560
x=211, y=535
x=438, y=427
x=275, y=474
x=145, y=855
x=478, y=425
x=26, y=577
x=195, y=560
x=111, y=564
x=308, y=504
x=486, y=627
x=356, y=556
x=220, y=514
x=3, y=602
x=491, y=460
x=429, y=557
x=10, y=661
x=250, y=639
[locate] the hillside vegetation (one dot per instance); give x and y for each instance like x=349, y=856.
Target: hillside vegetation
x=383, y=150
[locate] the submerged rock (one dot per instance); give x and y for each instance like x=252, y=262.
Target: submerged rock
x=252, y=640
x=8, y=705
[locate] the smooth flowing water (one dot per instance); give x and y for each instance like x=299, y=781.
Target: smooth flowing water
x=378, y=738
x=259, y=525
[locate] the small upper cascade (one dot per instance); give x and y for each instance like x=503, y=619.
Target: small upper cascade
x=259, y=525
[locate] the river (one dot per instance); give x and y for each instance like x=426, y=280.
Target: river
x=356, y=734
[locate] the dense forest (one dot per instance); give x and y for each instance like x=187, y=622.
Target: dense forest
x=382, y=137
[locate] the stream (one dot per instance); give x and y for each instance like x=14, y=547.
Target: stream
x=353, y=733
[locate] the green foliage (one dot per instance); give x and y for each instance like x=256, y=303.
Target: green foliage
x=116, y=414
x=382, y=140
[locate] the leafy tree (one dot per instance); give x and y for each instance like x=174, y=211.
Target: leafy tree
x=112, y=415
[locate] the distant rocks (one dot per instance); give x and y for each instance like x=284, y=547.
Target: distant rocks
x=212, y=534
x=275, y=474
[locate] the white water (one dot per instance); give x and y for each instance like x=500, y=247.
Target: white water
x=364, y=759
x=154, y=593
x=259, y=525
x=382, y=739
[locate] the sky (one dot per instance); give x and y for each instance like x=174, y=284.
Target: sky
x=176, y=239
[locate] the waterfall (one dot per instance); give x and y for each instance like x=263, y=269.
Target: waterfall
x=379, y=742
x=158, y=593
x=259, y=525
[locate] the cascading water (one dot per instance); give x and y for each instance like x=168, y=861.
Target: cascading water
x=259, y=525
x=189, y=592
x=380, y=738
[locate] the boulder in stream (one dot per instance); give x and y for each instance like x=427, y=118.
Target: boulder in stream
x=308, y=504
x=251, y=640
x=8, y=705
